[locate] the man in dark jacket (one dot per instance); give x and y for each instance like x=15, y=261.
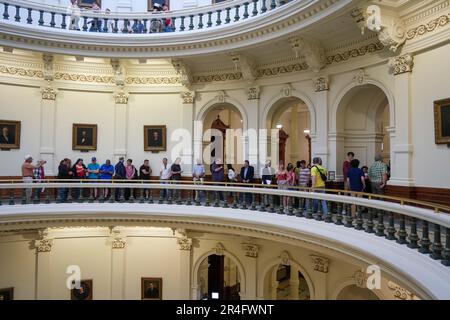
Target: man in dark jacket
x=64, y=173
x=247, y=173
x=119, y=174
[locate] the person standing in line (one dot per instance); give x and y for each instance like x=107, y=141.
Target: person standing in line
x=231, y=173
x=106, y=173
x=290, y=181
x=93, y=171
x=175, y=175
x=368, y=188
x=218, y=175
x=282, y=182
x=64, y=173
x=319, y=177
x=28, y=174
x=267, y=177
x=355, y=180
x=79, y=170
x=346, y=166
x=130, y=174
x=378, y=175
x=247, y=173
x=198, y=175
x=145, y=174
x=164, y=176
x=304, y=181
x=39, y=176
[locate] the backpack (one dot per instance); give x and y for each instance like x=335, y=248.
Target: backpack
x=322, y=175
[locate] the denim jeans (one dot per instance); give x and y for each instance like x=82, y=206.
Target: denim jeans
x=63, y=192
x=322, y=202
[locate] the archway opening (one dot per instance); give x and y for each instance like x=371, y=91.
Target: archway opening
x=362, y=120
x=219, y=278
x=292, y=117
x=353, y=292
x=286, y=282
x=221, y=122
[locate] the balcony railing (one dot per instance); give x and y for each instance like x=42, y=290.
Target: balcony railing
x=81, y=20
x=418, y=225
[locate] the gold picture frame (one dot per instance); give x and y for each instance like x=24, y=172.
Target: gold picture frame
x=151, y=288
x=9, y=134
x=88, y=3
x=6, y=294
x=442, y=121
x=155, y=138
x=84, y=137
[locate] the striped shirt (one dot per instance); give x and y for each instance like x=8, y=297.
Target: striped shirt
x=376, y=171
x=303, y=177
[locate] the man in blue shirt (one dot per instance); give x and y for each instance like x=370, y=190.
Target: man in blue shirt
x=106, y=173
x=355, y=180
x=93, y=170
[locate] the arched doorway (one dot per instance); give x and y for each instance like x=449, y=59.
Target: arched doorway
x=219, y=278
x=362, y=119
x=286, y=282
x=291, y=116
x=353, y=292
x=220, y=121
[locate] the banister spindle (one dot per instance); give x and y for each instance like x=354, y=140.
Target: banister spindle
x=263, y=7
x=246, y=10
x=17, y=16
x=85, y=27
x=145, y=30
x=391, y=228
x=63, y=22
x=348, y=217
x=402, y=230
x=200, y=21
x=425, y=241
x=52, y=21
x=228, y=19
x=437, y=245
x=125, y=26
x=218, y=20
x=182, y=27
x=380, y=224
x=236, y=16
x=255, y=8
x=282, y=2
x=369, y=223
x=105, y=25
x=340, y=212
x=191, y=22
x=173, y=19
x=209, y=23
x=273, y=4
x=116, y=25
x=5, y=12
x=359, y=218
x=413, y=237
x=11, y=198
x=29, y=18
x=41, y=17
x=446, y=253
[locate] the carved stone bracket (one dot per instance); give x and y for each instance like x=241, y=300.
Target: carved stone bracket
x=253, y=93
x=48, y=60
x=321, y=84
x=245, y=65
x=402, y=64
x=320, y=264
x=120, y=73
x=49, y=93
x=219, y=249
x=44, y=243
x=121, y=97
x=360, y=76
x=399, y=292
x=287, y=90
x=221, y=96
x=185, y=243
x=188, y=97
x=251, y=250
x=360, y=277
x=311, y=51
x=285, y=258
x=183, y=71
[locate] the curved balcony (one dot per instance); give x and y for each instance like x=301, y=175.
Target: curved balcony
x=405, y=238
x=221, y=27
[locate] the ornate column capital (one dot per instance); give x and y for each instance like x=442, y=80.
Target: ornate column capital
x=118, y=240
x=121, y=97
x=253, y=93
x=44, y=243
x=185, y=243
x=188, y=97
x=321, y=84
x=402, y=64
x=320, y=263
x=251, y=250
x=219, y=249
x=400, y=292
x=49, y=93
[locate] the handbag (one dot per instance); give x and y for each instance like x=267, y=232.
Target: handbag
x=322, y=175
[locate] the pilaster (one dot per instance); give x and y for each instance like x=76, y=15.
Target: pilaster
x=118, y=257
x=188, y=98
x=251, y=251
x=185, y=245
x=320, y=265
x=120, y=121
x=252, y=144
x=43, y=247
x=319, y=140
x=47, y=139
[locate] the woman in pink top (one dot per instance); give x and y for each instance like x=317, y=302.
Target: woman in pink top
x=131, y=174
x=282, y=180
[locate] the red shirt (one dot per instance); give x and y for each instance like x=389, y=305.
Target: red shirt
x=346, y=168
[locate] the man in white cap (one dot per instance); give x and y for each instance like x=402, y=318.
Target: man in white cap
x=28, y=173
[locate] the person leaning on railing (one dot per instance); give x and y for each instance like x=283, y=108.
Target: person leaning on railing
x=106, y=173
x=267, y=177
x=198, y=175
x=64, y=173
x=119, y=174
x=319, y=177
x=79, y=170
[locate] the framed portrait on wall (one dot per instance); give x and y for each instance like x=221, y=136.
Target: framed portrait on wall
x=155, y=138
x=88, y=3
x=442, y=121
x=9, y=134
x=6, y=294
x=159, y=4
x=85, y=292
x=84, y=137
x=151, y=288
x=331, y=175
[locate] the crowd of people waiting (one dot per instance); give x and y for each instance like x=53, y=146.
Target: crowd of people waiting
x=134, y=26
x=290, y=177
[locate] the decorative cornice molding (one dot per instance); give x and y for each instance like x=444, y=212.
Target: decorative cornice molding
x=119, y=72
x=320, y=263
x=251, y=250
x=311, y=51
x=188, y=97
x=153, y=80
x=84, y=78
x=428, y=27
x=49, y=93
x=185, y=243
x=268, y=72
x=217, y=77
x=400, y=292
x=354, y=53
x=321, y=84
x=402, y=64
x=22, y=72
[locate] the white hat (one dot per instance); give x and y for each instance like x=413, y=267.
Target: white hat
x=28, y=157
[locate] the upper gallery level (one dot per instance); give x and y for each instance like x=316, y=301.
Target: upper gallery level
x=303, y=27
